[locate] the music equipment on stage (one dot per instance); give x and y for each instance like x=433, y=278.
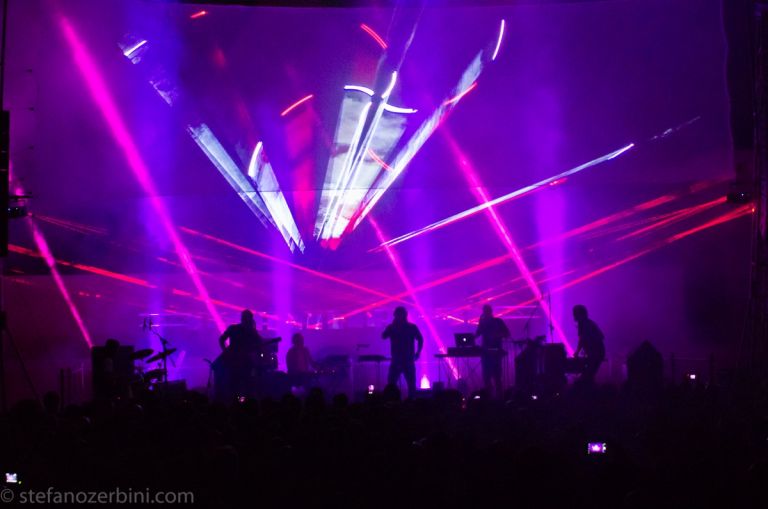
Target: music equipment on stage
x=541, y=366
x=464, y=340
x=243, y=370
x=333, y=362
x=141, y=354
x=165, y=353
x=523, y=342
x=161, y=355
x=377, y=359
x=464, y=351
x=373, y=358
x=267, y=359
x=154, y=374
x=475, y=351
x=175, y=389
x=112, y=370
x=332, y=372
x=575, y=365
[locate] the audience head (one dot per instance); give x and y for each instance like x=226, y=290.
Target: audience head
x=297, y=339
x=391, y=393
x=510, y=446
x=51, y=402
x=487, y=311
x=401, y=314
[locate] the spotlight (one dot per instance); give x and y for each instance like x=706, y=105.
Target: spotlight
x=16, y=212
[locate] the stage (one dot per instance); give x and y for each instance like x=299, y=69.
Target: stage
x=321, y=166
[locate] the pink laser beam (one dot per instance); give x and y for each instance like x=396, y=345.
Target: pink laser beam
x=478, y=189
x=379, y=160
x=376, y=37
x=459, y=96
x=398, y=266
x=50, y=261
x=122, y=136
x=296, y=104
x=296, y=266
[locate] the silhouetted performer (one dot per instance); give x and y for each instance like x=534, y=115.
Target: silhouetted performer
x=299, y=361
x=245, y=344
x=242, y=336
x=494, y=331
x=402, y=335
x=591, y=342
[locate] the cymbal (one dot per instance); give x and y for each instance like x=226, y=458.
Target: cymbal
x=161, y=355
x=141, y=354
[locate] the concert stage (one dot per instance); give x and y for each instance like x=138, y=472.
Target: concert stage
x=321, y=166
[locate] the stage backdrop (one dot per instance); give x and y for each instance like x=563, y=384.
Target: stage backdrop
x=321, y=166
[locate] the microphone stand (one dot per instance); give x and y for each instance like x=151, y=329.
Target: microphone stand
x=358, y=347
x=527, y=326
x=164, y=344
x=210, y=377
x=551, y=323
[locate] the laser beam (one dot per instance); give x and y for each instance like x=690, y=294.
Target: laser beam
x=505, y=198
x=296, y=104
x=478, y=189
x=722, y=219
x=108, y=108
x=398, y=266
x=274, y=259
x=376, y=37
x=461, y=95
x=426, y=286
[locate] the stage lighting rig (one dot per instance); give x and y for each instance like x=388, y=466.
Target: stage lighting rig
x=17, y=210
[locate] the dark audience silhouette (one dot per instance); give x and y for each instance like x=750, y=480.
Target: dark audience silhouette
x=645, y=371
x=684, y=448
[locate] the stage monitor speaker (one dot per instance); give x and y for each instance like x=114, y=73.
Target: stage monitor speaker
x=112, y=372
x=552, y=371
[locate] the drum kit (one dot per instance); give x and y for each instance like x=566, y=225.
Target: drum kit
x=146, y=371
x=153, y=367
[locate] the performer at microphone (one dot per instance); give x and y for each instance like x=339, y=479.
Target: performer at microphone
x=402, y=335
x=494, y=331
x=591, y=342
x=244, y=340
